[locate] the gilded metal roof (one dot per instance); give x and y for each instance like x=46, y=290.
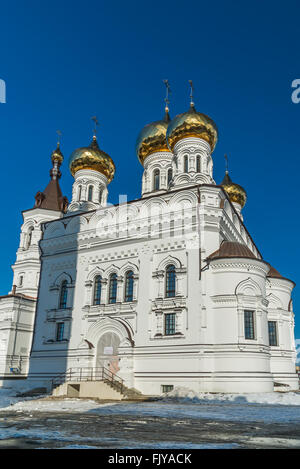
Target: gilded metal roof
x=92, y=157
x=152, y=138
x=235, y=192
x=192, y=124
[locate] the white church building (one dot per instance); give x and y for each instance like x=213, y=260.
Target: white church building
x=164, y=291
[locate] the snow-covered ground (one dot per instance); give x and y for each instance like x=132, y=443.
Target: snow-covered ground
x=181, y=394
x=50, y=422
x=180, y=403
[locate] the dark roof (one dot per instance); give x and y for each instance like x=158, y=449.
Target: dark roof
x=274, y=273
x=232, y=249
x=51, y=198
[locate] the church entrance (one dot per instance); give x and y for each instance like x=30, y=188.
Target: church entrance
x=108, y=352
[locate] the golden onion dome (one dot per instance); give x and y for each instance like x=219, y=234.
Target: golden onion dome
x=192, y=124
x=92, y=157
x=57, y=155
x=152, y=138
x=235, y=192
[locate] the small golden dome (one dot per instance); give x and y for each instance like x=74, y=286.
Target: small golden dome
x=235, y=192
x=152, y=138
x=92, y=157
x=192, y=124
x=57, y=155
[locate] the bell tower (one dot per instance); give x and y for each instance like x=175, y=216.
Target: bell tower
x=49, y=205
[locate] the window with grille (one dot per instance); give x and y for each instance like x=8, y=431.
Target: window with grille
x=60, y=331
x=167, y=388
x=170, y=323
x=272, y=326
x=112, y=289
x=129, y=286
x=97, y=290
x=170, y=175
x=170, y=281
x=90, y=193
x=186, y=164
x=29, y=237
x=198, y=164
x=249, y=324
x=63, y=295
x=79, y=193
x=156, y=180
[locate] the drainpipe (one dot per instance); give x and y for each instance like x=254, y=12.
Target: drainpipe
x=199, y=231
x=15, y=337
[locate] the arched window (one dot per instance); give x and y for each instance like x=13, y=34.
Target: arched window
x=97, y=290
x=186, y=164
x=156, y=179
x=63, y=295
x=170, y=281
x=21, y=281
x=28, y=237
x=90, y=193
x=112, y=298
x=79, y=193
x=129, y=286
x=60, y=331
x=100, y=196
x=170, y=175
x=198, y=164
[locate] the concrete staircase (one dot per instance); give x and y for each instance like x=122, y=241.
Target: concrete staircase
x=128, y=393
x=87, y=389
x=97, y=383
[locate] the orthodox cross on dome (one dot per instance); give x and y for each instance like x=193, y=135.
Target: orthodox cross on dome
x=95, y=120
x=226, y=163
x=59, y=136
x=192, y=92
x=168, y=90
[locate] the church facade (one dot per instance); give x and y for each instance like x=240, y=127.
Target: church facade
x=166, y=290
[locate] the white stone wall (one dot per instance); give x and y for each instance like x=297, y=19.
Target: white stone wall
x=16, y=328
x=283, y=356
x=84, y=180
x=161, y=161
x=208, y=351
x=17, y=313
x=191, y=148
x=27, y=266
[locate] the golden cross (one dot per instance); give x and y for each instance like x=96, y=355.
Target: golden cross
x=226, y=164
x=168, y=90
x=94, y=118
x=59, y=135
x=192, y=92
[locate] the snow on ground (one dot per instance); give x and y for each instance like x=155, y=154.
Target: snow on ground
x=9, y=401
x=178, y=404
x=63, y=405
x=181, y=394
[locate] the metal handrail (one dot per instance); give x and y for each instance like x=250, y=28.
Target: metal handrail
x=89, y=374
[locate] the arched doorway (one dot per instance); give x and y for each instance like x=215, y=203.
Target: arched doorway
x=108, y=352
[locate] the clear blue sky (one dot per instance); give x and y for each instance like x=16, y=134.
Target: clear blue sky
x=65, y=61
